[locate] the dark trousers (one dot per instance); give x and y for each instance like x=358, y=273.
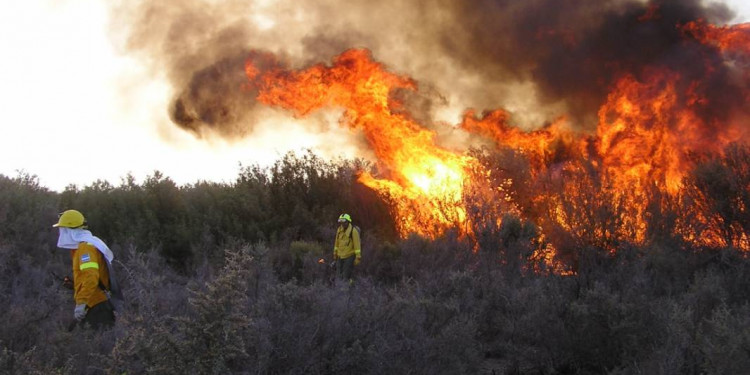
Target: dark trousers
x=344, y=267
x=100, y=316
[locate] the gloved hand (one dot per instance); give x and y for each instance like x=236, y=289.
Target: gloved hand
x=357, y=260
x=80, y=312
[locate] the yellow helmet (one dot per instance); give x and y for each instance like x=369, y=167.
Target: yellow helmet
x=70, y=219
x=345, y=217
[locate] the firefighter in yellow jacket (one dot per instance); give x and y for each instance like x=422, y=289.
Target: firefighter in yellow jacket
x=91, y=279
x=347, y=251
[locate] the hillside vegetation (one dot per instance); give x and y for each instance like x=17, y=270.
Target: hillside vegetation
x=227, y=278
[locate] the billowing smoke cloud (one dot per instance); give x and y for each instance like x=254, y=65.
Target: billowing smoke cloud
x=573, y=50
x=539, y=59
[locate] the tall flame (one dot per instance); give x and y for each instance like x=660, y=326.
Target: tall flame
x=650, y=126
x=424, y=181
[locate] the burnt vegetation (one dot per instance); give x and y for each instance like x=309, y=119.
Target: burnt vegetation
x=225, y=277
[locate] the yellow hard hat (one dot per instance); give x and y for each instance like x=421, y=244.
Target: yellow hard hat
x=70, y=219
x=345, y=217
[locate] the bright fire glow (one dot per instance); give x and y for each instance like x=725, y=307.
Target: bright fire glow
x=649, y=126
x=423, y=181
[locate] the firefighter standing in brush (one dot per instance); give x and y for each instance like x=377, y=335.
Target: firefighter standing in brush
x=347, y=251
x=91, y=271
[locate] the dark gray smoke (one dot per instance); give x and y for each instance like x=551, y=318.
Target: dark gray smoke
x=573, y=50
x=533, y=57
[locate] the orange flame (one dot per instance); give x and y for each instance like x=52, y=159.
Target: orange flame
x=726, y=38
x=650, y=125
x=543, y=147
x=425, y=181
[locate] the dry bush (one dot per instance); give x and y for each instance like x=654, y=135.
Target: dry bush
x=424, y=306
x=362, y=329
x=717, y=199
x=25, y=206
x=723, y=341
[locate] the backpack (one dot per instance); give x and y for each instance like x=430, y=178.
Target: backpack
x=351, y=235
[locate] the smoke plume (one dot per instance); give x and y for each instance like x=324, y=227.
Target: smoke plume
x=537, y=59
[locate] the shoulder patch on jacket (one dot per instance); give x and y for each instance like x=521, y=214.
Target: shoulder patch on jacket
x=85, y=258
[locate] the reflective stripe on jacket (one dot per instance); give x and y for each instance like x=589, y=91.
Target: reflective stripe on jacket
x=89, y=271
x=347, y=242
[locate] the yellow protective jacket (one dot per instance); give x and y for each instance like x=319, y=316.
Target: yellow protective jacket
x=90, y=274
x=347, y=243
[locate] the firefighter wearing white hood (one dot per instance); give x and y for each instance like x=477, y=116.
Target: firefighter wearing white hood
x=91, y=264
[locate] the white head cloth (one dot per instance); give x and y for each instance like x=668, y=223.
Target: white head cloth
x=70, y=238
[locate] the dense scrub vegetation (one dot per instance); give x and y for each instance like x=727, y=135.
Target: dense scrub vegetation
x=225, y=278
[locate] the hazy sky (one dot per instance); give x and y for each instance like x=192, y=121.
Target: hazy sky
x=76, y=110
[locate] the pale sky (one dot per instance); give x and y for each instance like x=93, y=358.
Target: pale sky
x=75, y=111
